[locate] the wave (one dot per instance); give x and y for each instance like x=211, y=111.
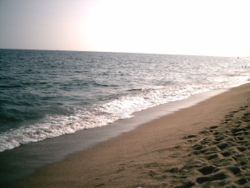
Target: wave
x=103, y=114
x=10, y=86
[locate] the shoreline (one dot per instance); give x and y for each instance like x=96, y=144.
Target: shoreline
x=135, y=157
x=23, y=161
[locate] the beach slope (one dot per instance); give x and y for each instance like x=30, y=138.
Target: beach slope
x=204, y=145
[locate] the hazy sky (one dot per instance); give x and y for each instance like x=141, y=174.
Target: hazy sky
x=195, y=27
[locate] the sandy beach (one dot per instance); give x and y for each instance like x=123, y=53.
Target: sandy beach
x=206, y=145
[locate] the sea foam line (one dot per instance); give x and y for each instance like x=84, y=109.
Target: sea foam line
x=109, y=112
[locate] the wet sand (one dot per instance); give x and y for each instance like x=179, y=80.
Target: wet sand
x=206, y=145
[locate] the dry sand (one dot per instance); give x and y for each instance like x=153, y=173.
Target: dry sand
x=206, y=145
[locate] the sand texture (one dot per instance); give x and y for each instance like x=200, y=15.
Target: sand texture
x=206, y=145
x=218, y=156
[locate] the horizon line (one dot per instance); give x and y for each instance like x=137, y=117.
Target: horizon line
x=92, y=51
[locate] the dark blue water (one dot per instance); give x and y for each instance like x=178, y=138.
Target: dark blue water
x=45, y=94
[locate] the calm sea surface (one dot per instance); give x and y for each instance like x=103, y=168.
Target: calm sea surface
x=45, y=94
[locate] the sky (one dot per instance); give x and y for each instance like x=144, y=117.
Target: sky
x=190, y=27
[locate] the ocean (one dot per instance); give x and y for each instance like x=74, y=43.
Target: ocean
x=46, y=94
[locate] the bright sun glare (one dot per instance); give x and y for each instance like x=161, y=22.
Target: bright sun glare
x=163, y=26
x=194, y=27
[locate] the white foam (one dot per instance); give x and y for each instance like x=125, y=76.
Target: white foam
x=104, y=114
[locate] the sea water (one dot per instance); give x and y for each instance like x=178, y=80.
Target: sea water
x=45, y=94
